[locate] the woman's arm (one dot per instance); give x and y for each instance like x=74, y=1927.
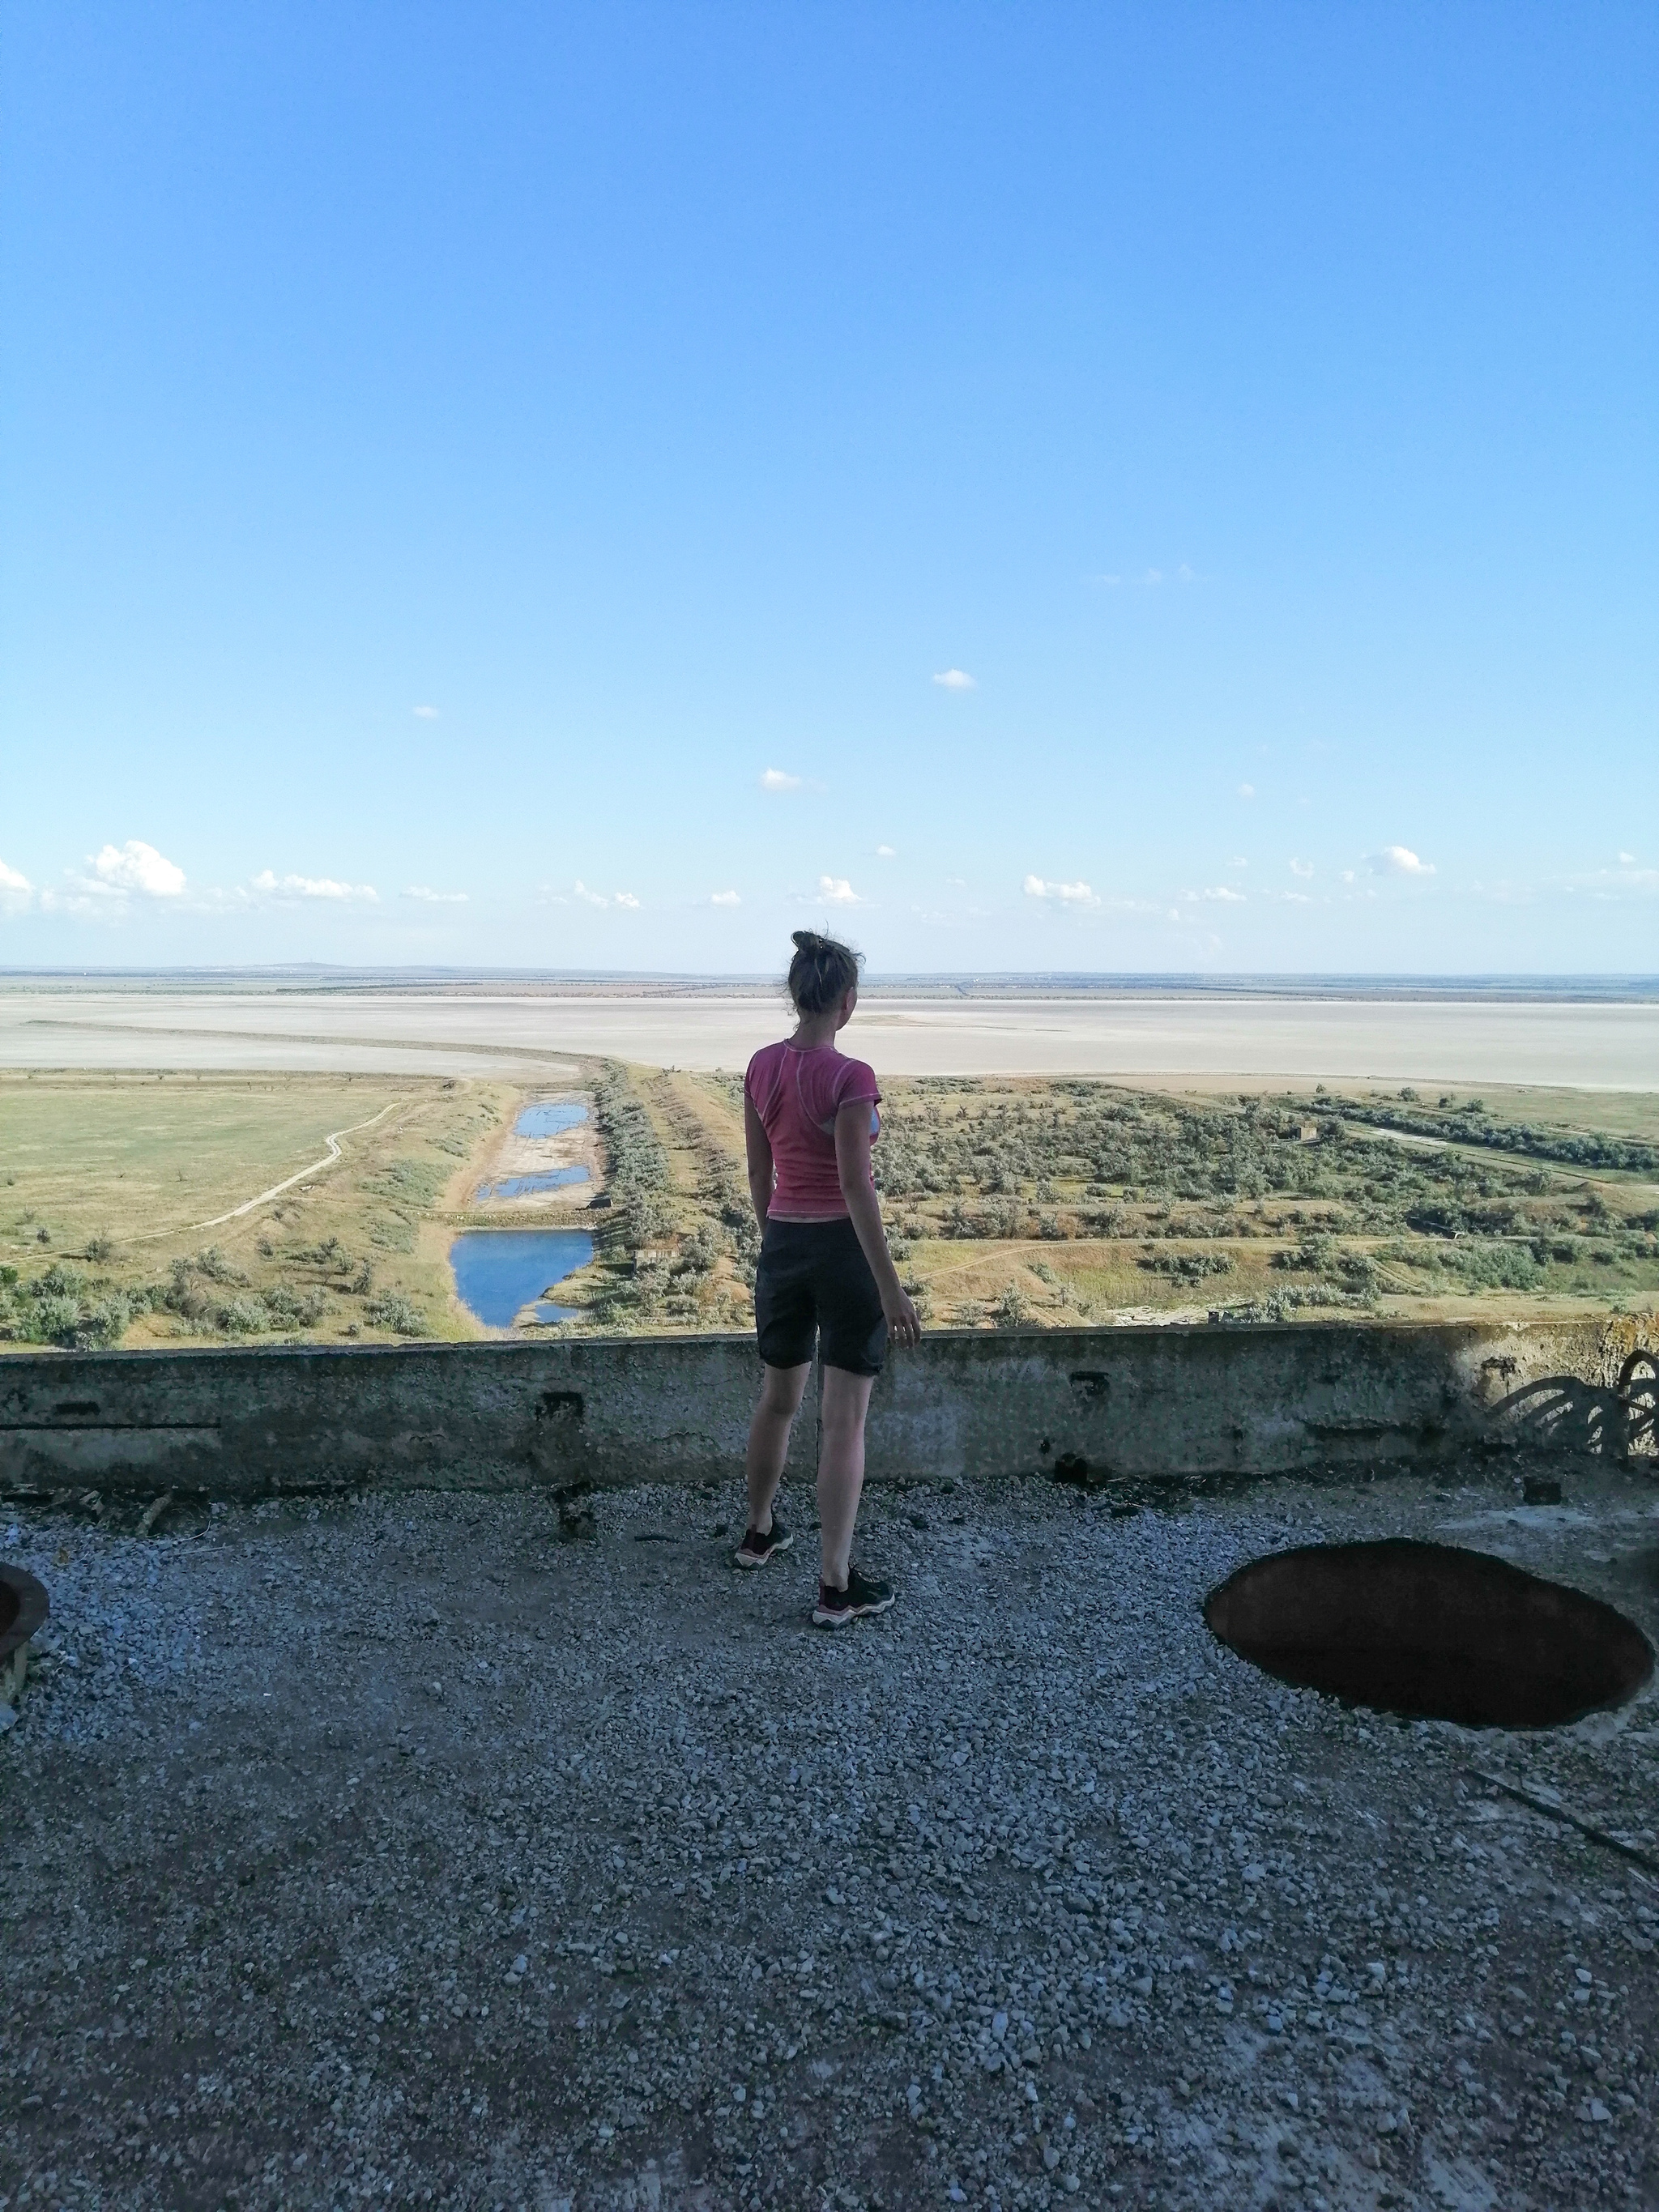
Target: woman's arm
x=759, y=1148
x=858, y=1189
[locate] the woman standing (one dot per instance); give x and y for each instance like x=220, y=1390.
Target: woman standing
x=825, y=1272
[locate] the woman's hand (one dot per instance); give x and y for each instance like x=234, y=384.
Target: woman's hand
x=903, y=1323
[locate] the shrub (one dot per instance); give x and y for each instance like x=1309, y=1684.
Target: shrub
x=213, y=1264
x=104, y=1323
x=700, y=1250
x=243, y=1317
x=1495, y=1266
x=1438, y=1218
x=1188, y=1267
x=393, y=1311
x=639, y=1165
x=185, y=1295
x=53, y=1320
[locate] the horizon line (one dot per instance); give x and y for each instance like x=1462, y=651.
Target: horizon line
x=1555, y=981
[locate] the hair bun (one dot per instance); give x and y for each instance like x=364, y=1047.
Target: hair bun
x=822, y=972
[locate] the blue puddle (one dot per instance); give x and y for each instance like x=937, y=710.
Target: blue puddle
x=544, y=1179
x=550, y=1121
x=499, y=1271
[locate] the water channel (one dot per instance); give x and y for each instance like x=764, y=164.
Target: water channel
x=521, y=1185
x=500, y=1272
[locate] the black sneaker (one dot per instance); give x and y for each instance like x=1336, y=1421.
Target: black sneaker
x=835, y=1607
x=755, y=1549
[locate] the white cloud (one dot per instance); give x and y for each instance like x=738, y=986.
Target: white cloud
x=425, y=893
x=725, y=898
x=585, y=897
x=113, y=877
x=16, y=891
x=956, y=679
x=1303, y=868
x=1111, y=582
x=1628, y=859
x=118, y=869
x=835, y=890
x=311, y=887
x=1398, y=861
x=1612, y=883
x=775, y=778
x=1223, y=893
x=426, y=713
x=1247, y=791
x=885, y=853
x=1240, y=863
x=1060, y=893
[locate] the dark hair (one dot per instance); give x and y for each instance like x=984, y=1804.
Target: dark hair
x=822, y=972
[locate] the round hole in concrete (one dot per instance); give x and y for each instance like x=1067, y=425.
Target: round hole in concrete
x=23, y=1607
x=1431, y=1632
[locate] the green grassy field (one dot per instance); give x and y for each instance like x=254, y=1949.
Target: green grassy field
x=1010, y=1201
x=111, y=1185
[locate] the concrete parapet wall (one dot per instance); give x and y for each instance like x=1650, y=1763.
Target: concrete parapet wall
x=1149, y=1404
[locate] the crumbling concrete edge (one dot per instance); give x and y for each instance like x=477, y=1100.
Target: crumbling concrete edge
x=1180, y=1406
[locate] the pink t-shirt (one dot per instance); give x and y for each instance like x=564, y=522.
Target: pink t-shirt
x=798, y=1095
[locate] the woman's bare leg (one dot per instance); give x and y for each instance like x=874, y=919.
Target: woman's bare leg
x=781, y=1392
x=844, y=1403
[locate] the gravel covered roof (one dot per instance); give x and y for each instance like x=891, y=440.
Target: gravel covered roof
x=424, y=1850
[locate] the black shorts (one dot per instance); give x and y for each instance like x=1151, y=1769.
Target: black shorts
x=813, y=1281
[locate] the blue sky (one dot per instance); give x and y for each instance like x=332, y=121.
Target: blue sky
x=505, y=483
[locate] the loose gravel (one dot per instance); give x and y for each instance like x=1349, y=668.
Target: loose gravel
x=431, y=1851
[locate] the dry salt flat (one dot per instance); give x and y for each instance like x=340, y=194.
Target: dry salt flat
x=439, y=1851
x=1601, y=1045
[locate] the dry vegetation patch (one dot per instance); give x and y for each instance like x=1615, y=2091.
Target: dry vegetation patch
x=1027, y=1201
